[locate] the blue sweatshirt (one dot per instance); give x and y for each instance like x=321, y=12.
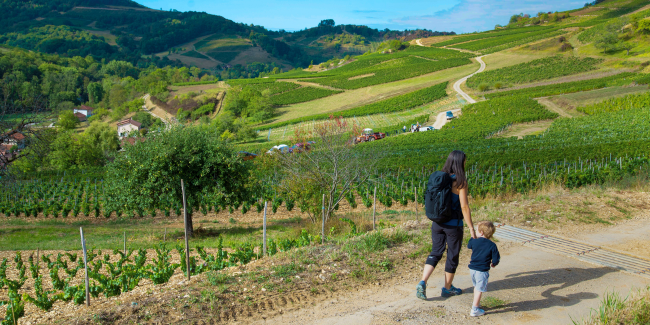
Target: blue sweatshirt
x=484, y=251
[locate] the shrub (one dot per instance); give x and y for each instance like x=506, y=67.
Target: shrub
x=483, y=87
x=498, y=85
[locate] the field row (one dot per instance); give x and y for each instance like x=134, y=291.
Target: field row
x=395, y=104
x=540, y=69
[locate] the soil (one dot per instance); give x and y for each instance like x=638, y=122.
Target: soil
x=551, y=106
x=523, y=129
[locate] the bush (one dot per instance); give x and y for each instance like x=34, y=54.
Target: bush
x=566, y=47
x=498, y=85
x=483, y=87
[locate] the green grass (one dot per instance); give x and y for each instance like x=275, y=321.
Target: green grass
x=493, y=303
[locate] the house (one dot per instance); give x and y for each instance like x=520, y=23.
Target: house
x=16, y=139
x=125, y=127
x=80, y=117
x=85, y=110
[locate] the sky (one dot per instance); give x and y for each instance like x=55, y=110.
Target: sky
x=460, y=16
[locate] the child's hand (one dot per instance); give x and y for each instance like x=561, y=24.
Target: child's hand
x=492, y=265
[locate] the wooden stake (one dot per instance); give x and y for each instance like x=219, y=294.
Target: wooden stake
x=374, y=208
x=187, y=241
x=165, y=236
x=124, y=243
x=415, y=191
x=264, y=230
x=38, y=255
x=322, y=240
x=83, y=246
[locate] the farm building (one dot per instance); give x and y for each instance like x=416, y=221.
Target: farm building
x=80, y=117
x=85, y=110
x=126, y=127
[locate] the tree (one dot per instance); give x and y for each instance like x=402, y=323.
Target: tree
x=607, y=41
x=148, y=175
x=95, y=92
x=327, y=23
x=627, y=46
x=67, y=120
x=331, y=168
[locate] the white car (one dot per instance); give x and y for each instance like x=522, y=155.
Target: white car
x=282, y=148
x=427, y=128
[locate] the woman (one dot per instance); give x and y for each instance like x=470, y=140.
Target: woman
x=451, y=232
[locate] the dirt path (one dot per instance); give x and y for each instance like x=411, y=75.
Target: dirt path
x=537, y=286
x=441, y=119
x=552, y=107
x=467, y=97
x=157, y=111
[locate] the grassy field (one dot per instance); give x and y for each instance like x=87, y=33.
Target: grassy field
x=362, y=96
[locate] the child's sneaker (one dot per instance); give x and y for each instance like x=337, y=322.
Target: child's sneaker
x=477, y=312
x=452, y=291
x=421, y=290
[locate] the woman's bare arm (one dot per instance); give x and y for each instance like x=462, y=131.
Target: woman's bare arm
x=467, y=213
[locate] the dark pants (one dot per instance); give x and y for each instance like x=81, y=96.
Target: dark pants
x=453, y=238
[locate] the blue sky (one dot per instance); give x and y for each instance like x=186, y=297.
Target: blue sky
x=461, y=16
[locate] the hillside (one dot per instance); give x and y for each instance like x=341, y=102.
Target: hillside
x=125, y=30
x=551, y=111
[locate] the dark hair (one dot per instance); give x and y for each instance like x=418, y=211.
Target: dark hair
x=456, y=165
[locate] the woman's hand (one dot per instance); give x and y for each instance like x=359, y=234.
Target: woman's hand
x=472, y=232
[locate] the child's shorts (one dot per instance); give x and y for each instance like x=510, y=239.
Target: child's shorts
x=479, y=280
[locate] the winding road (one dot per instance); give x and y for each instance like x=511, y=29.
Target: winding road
x=467, y=97
x=441, y=119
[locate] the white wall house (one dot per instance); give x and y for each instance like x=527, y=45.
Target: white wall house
x=125, y=127
x=85, y=110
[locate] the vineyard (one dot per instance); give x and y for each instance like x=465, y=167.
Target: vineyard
x=113, y=274
x=395, y=104
x=491, y=45
x=617, y=104
x=485, y=35
x=620, y=79
x=300, y=95
x=273, y=88
x=541, y=69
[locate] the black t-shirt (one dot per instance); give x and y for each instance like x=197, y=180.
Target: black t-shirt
x=484, y=252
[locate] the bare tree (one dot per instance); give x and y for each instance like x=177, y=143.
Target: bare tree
x=22, y=114
x=331, y=167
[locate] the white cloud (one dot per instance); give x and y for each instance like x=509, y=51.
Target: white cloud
x=480, y=15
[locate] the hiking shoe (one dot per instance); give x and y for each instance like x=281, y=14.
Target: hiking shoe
x=477, y=312
x=421, y=291
x=452, y=291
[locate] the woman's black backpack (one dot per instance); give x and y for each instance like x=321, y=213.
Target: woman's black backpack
x=437, y=199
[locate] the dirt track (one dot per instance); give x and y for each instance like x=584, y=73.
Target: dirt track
x=538, y=287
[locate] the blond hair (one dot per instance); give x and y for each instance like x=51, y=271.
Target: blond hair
x=487, y=228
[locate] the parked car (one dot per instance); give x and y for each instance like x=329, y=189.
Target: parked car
x=426, y=128
x=281, y=148
x=450, y=115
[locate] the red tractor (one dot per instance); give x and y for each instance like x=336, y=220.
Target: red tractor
x=368, y=135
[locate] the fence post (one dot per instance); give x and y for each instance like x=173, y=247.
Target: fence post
x=323, y=225
x=264, y=230
x=187, y=242
x=83, y=246
x=374, y=208
x=125, y=243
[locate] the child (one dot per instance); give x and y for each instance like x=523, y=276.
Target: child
x=484, y=255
